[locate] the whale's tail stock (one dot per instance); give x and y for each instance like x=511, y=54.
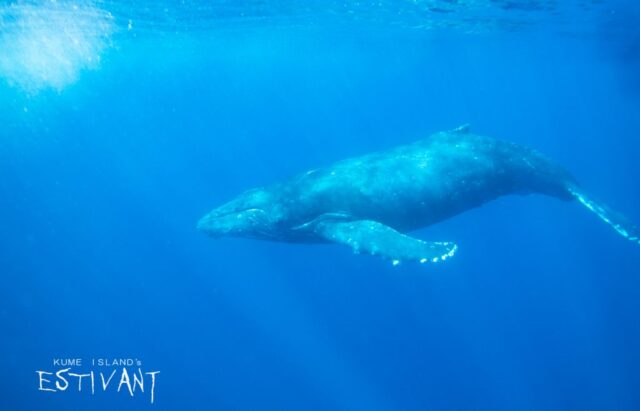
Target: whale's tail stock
x=616, y=220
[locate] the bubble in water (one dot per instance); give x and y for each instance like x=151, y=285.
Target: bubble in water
x=47, y=44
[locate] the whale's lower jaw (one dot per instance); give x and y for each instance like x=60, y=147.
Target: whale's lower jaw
x=251, y=222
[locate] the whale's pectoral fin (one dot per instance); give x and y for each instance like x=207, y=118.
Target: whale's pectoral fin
x=374, y=238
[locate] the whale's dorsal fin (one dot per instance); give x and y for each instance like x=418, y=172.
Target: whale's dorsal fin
x=375, y=238
x=463, y=129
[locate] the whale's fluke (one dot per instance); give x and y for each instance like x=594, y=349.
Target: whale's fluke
x=375, y=238
x=617, y=221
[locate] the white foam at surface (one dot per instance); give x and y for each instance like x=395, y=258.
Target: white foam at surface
x=47, y=44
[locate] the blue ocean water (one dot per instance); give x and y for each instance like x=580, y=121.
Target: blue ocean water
x=122, y=123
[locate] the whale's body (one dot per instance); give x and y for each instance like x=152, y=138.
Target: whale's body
x=368, y=202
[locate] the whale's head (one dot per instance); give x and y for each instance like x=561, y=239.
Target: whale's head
x=252, y=214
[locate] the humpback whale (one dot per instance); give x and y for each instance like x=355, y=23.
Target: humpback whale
x=370, y=203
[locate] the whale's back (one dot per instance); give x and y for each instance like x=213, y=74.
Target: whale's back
x=427, y=181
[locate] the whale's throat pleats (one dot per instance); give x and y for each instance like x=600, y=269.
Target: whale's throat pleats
x=375, y=238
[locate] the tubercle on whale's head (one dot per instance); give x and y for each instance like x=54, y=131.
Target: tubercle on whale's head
x=252, y=214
